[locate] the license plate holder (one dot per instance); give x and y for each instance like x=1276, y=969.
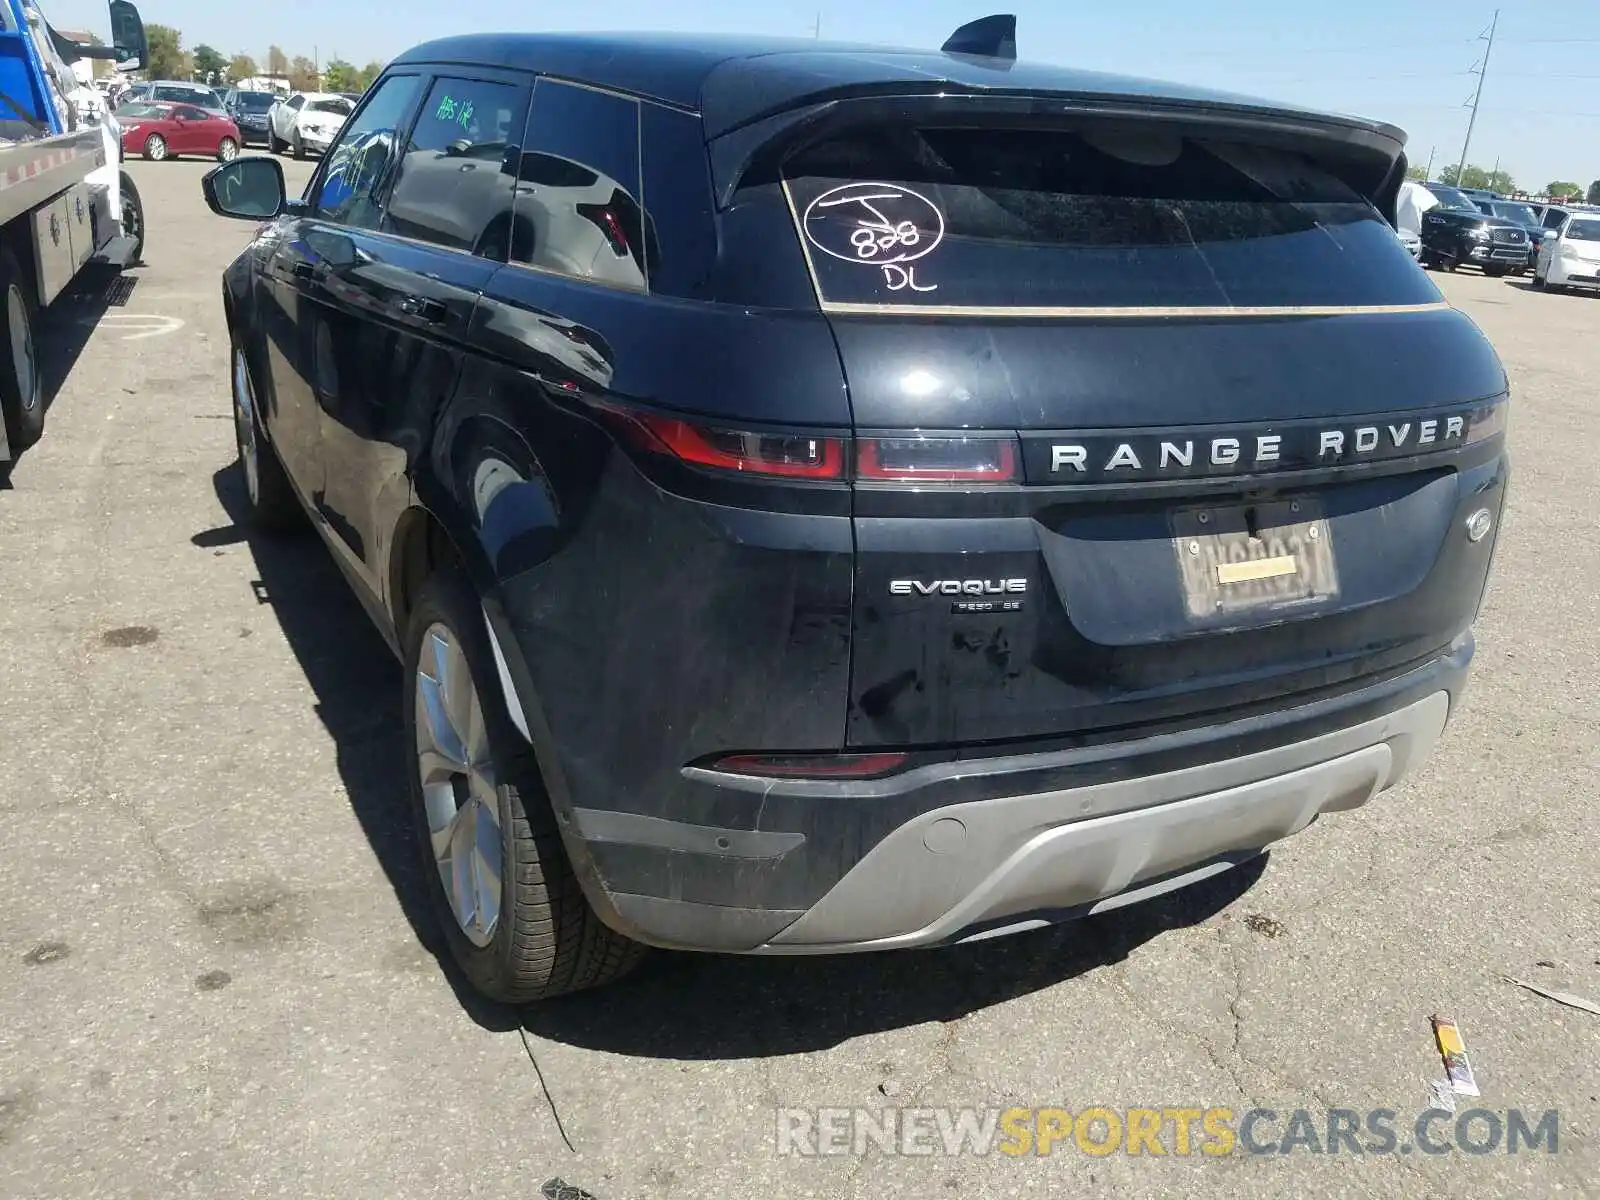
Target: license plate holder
x=1247, y=559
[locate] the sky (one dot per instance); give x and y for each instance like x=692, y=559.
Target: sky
x=1408, y=62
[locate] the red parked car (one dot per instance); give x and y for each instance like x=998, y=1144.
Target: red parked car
x=162, y=131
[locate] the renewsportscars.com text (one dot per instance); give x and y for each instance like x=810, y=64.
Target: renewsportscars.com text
x=1158, y=1132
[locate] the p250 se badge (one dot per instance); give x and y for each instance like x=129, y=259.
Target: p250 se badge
x=973, y=595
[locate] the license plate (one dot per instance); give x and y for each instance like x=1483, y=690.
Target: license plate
x=1253, y=557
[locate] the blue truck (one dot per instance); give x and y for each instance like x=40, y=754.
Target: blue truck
x=65, y=203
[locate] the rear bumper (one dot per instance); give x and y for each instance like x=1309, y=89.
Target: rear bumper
x=979, y=847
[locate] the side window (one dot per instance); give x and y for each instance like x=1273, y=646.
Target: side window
x=296, y=101
x=578, y=211
x=192, y=114
x=359, y=161
x=457, y=177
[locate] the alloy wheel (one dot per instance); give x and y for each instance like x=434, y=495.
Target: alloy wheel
x=227, y=150
x=460, y=792
x=156, y=147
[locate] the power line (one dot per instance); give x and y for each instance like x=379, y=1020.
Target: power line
x=1483, y=72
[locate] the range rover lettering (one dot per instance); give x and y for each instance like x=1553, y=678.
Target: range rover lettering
x=828, y=498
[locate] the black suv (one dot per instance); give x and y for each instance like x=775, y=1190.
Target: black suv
x=1456, y=233
x=1524, y=214
x=828, y=498
x=249, y=113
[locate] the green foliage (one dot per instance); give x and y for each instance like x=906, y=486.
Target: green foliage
x=242, y=66
x=1476, y=177
x=167, y=59
x=340, y=76
x=209, y=65
x=1562, y=188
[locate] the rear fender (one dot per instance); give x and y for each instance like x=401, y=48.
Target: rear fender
x=502, y=525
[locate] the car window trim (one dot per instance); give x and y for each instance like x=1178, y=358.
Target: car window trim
x=524, y=80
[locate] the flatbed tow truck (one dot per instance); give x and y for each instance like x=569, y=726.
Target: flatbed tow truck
x=65, y=203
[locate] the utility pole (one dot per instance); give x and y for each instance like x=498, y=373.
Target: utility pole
x=1482, y=71
x=816, y=28
x=1428, y=174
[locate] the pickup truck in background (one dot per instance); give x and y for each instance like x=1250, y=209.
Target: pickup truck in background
x=65, y=203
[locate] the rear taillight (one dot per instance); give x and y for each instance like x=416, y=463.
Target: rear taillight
x=937, y=459
x=912, y=459
x=1488, y=421
x=810, y=766
x=782, y=455
x=606, y=221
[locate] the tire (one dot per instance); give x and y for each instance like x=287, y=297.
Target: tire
x=1536, y=283
x=273, y=505
x=296, y=147
x=155, y=148
x=227, y=150
x=21, y=382
x=133, y=217
x=542, y=940
x=274, y=146
x=1496, y=272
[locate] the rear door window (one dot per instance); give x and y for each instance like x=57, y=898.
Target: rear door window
x=993, y=219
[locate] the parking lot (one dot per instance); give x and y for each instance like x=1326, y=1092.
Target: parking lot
x=218, y=977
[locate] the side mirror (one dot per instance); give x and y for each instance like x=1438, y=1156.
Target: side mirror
x=127, y=36
x=248, y=188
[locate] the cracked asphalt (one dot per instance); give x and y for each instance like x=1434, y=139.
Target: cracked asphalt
x=217, y=978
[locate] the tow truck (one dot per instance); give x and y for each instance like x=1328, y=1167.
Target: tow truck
x=66, y=205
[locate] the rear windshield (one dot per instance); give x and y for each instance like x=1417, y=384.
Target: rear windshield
x=1586, y=230
x=342, y=107
x=254, y=101
x=1522, y=214
x=182, y=95
x=1448, y=197
x=896, y=215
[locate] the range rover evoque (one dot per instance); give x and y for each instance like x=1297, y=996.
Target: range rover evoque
x=834, y=498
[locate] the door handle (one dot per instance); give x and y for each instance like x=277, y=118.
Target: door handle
x=432, y=311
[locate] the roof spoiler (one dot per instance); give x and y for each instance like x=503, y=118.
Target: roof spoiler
x=987, y=37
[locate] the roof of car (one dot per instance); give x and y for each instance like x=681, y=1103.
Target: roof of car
x=733, y=80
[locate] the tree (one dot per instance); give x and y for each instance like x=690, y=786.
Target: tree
x=340, y=76
x=303, y=74
x=1476, y=177
x=1417, y=174
x=1594, y=193
x=1561, y=188
x=209, y=65
x=277, y=61
x=242, y=67
x=369, y=73
x=167, y=59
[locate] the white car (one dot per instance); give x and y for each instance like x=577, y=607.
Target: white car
x=306, y=121
x=1571, y=259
